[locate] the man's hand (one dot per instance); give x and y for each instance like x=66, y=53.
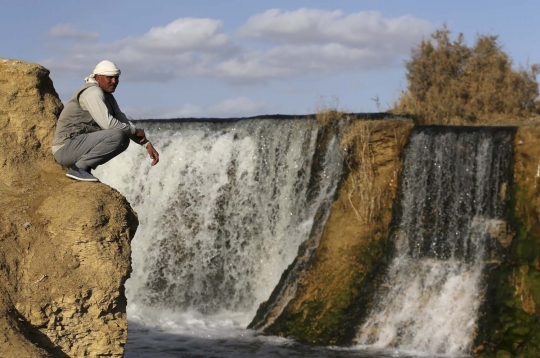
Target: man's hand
x=152, y=152
x=141, y=136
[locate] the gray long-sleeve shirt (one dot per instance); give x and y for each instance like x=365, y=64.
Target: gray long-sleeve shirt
x=90, y=109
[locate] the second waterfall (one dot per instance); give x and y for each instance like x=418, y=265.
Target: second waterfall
x=453, y=202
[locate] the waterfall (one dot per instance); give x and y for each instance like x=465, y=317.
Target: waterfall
x=223, y=213
x=452, y=201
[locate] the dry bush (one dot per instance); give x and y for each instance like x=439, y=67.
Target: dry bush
x=360, y=159
x=327, y=114
x=451, y=83
x=359, y=155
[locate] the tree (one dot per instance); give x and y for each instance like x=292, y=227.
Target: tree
x=449, y=83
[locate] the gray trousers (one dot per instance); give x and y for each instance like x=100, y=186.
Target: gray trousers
x=92, y=149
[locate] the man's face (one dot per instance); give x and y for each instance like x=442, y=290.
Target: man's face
x=107, y=83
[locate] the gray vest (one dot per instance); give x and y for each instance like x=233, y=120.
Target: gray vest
x=74, y=120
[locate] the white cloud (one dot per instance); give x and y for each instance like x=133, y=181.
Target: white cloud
x=293, y=61
x=184, y=35
x=154, y=112
x=297, y=26
x=184, y=111
x=302, y=42
x=236, y=107
x=319, y=42
x=362, y=29
x=241, y=106
x=252, y=67
x=185, y=47
x=70, y=31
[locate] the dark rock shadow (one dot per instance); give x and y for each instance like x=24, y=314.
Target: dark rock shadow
x=36, y=337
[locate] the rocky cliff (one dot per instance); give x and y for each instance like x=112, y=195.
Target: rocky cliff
x=64, y=245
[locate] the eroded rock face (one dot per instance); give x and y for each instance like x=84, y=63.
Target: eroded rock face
x=64, y=245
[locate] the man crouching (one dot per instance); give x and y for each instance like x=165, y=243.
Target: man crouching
x=91, y=129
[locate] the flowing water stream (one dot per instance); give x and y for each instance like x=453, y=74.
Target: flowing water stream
x=453, y=198
x=224, y=212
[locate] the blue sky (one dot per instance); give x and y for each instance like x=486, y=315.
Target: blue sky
x=244, y=58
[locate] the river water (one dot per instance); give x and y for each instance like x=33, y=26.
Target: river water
x=192, y=336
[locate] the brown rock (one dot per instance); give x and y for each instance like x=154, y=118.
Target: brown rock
x=64, y=245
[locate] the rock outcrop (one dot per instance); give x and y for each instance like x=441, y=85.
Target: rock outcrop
x=64, y=245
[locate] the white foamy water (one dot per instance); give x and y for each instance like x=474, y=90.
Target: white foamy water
x=221, y=217
x=224, y=212
x=190, y=334
x=452, y=194
x=430, y=305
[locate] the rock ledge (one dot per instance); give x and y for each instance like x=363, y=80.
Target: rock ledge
x=64, y=245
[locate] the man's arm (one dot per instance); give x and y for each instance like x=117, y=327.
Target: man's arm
x=140, y=135
x=93, y=100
